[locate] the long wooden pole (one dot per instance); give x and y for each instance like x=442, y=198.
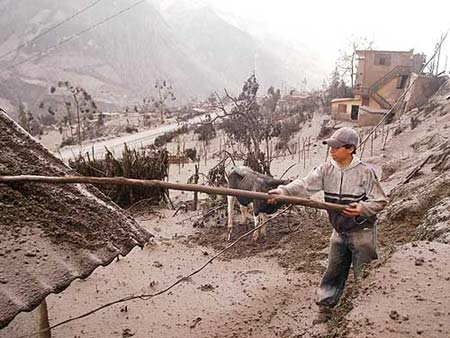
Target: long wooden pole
x=44, y=324
x=174, y=186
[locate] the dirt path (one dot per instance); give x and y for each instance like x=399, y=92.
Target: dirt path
x=264, y=289
x=251, y=296
x=406, y=297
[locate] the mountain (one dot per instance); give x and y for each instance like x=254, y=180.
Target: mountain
x=223, y=43
x=118, y=62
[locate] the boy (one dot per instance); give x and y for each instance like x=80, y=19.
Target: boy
x=344, y=180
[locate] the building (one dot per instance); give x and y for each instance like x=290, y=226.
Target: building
x=381, y=78
x=346, y=109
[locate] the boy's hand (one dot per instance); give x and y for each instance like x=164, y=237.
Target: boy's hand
x=274, y=192
x=353, y=210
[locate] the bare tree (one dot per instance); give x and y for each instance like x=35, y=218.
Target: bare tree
x=248, y=123
x=347, y=61
x=84, y=104
x=164, y=93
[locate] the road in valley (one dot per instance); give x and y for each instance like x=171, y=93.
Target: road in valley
x=115, y=145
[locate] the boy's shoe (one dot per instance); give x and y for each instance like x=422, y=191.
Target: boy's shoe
x=323, y=315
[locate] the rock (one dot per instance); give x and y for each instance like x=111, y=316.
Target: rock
x=419, y=261
x=195, y=322
x=394, y=315
x=206, y=287
x=157, y=264
x=389, y=168
x=436, y=223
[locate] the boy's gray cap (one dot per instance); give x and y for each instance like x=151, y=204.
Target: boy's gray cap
x=342, y=137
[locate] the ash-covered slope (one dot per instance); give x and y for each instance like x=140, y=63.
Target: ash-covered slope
x=193, y=48
x=121, y=57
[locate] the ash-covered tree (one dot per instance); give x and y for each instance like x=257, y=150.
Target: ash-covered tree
x=347, y=61
x=25, y=117
x=78, y=102
x=250, y=123
x=27, y=121
x=164, y=94
x=146, y=109
x=337, y=88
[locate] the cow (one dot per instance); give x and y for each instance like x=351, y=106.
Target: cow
x=244, y=178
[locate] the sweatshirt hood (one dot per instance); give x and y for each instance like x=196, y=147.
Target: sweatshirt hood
x=355, y=161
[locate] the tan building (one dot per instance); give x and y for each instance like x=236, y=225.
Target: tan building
x=382, y=76
x=346, y=109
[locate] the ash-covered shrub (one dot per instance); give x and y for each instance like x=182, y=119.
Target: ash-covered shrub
x=145, y=163
x=165, y=138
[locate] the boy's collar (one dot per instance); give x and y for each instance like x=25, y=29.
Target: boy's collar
x=355, y=161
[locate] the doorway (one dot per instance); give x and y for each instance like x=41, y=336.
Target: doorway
x=355, y=111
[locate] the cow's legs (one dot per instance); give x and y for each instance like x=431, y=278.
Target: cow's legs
x=245, y=213
x=263, y=218
x=260, y=219
x=230, y=208
x=257, y=232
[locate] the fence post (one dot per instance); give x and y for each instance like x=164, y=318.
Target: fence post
x=195, y=192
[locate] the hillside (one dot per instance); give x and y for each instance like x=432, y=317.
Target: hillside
x=120, y=61
x=267, y=288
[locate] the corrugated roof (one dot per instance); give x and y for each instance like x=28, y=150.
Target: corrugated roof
x=363, y=51
x=373, y=110
x=345, y=99
x=51, y=234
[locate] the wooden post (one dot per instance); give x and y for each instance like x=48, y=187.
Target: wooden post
x=44, y=324
x=363, y=147
x=309, y=149
x=206, y=152
x=371, y=145
x=174, y=186
x=304, y=153
x=385, y=139
x=271, y=149
x=184, y=151
x=178, y=155
x=195, y=192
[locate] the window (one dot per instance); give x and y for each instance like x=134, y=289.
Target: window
x=342, y=108
x=402, y=81
x=382, y=59
x=365, y=101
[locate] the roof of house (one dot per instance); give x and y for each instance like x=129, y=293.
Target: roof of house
x=345, y=99
x=51, y=234
x=362, y=51
x=372, y=110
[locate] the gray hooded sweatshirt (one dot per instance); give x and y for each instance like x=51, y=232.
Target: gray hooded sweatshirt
x=355, y=183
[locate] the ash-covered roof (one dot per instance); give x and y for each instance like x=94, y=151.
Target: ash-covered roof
x=373, y=110
x=51, y=234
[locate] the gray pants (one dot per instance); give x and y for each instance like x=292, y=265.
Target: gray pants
x=357, y=247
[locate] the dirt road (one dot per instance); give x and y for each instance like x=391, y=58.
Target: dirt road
x=251, y=296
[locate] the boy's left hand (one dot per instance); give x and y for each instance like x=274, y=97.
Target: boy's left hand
x=353, y=210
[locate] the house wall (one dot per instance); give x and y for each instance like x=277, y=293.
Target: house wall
x=347, y=115
x=368, y=119
x=423, y=88
x=368, y=72
x=390, y=92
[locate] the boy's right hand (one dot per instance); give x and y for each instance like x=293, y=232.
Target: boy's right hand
x=276, y=191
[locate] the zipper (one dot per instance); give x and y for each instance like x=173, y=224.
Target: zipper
x=340, y=186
